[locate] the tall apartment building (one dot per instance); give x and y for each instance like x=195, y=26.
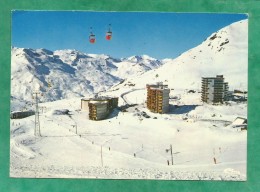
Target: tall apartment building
x=158, y=98
x=214, y=89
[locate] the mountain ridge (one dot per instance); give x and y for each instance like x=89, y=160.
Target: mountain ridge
x=70, y=73
x=66, y=73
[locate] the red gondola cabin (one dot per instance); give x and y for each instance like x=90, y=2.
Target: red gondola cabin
x=109, y=35
x=92, y=38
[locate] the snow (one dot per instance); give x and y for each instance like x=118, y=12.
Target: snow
x=238, y=121
x=194, y=144
x=132, y=143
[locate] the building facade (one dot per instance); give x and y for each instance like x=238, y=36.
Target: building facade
x=84, y=104
x=157, y=98
x=21, y=114
x=214, y=89
x=99, y=108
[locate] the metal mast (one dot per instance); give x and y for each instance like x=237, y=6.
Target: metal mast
x=170, y=150
x=37, y=130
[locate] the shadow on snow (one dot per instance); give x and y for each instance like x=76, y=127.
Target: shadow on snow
x=181, y=109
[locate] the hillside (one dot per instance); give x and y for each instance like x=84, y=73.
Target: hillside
x=222, y=53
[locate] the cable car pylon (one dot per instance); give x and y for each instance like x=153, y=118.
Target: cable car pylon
x=37, y=130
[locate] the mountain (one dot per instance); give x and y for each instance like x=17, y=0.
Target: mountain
x=136, y=65
x=222, y=53
x=69, y=73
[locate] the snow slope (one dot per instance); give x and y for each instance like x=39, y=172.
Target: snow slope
x=131, y=147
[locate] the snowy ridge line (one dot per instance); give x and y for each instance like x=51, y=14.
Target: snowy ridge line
x=51, y=171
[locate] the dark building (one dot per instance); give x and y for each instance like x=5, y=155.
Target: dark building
x=21, y=114
x=214, y=89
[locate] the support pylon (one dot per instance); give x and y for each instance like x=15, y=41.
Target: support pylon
x=37, y=130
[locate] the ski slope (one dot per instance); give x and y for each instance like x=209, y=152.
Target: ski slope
x=131, y=144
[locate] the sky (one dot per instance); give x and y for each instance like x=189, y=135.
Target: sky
x=159, y=35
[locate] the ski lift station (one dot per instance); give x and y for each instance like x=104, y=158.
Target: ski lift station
x=99, y=108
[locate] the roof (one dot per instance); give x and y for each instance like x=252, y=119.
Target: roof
x=159, y=88
x=98, y=99
x=239, y=121
x=97, y=102
x=217, y=77
x=85, y=99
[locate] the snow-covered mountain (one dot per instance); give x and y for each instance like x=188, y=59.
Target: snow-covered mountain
x=136, y=65
x=70, y=73
x=222, y=53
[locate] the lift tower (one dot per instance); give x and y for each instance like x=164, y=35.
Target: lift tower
x=37, y=130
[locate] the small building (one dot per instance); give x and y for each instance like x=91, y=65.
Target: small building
x=21, y=114
x=214, y=89
x=240, y=123
x=158, y=97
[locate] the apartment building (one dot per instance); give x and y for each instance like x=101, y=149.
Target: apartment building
x=158, y=97
x=214, y=89
x=99, y=108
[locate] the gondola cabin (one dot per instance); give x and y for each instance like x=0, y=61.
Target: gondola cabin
x=92, y=38
x=109, y=35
